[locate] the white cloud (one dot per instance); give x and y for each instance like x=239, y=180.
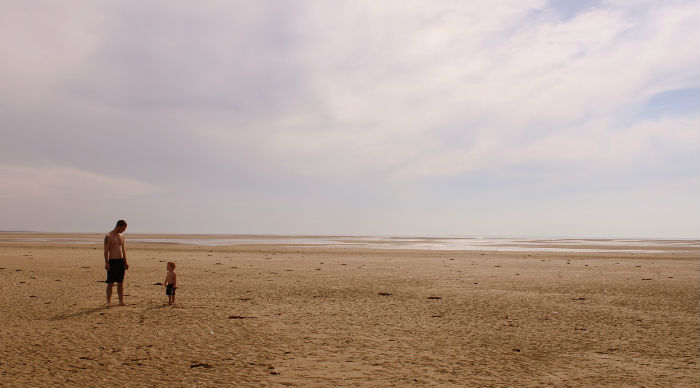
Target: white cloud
x=70, y=186
x=44, y=43
x=68, y=199
x=444, y=91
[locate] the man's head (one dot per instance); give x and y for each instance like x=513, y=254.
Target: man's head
x=121, y=226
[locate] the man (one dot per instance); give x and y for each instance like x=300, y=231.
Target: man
x=115, y=261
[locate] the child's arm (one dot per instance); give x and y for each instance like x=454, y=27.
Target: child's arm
x=174, y=279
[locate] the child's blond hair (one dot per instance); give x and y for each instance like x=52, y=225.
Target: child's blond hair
x=171, y=264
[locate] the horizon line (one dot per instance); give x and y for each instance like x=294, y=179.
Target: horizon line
x=435, y=236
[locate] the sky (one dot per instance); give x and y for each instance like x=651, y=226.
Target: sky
x=397, y=118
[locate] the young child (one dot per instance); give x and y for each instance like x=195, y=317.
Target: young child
x=170, y=282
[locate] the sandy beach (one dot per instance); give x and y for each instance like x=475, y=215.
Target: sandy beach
x=271, y=315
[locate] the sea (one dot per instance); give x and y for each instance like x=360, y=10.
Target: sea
x=390, y=242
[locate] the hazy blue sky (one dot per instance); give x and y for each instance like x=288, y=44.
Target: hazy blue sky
x=464, y=118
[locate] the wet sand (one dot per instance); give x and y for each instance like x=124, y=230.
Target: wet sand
x=276, y=316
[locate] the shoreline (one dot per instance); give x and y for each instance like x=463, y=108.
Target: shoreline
x=367, y=242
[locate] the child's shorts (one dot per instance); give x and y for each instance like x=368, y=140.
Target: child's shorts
x=170, y=289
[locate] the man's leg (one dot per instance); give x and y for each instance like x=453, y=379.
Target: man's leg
x=109, y=292
x=120, y=292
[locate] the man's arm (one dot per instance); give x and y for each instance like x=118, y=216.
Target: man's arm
x=107, y=242
x=126, y=264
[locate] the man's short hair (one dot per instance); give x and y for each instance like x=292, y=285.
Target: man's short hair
x=121, y=223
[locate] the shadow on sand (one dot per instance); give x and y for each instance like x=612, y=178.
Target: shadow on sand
x=93, y=310
x=157, y=307
x=80, y=313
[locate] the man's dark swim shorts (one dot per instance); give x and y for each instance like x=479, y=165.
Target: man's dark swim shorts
x=170, y=290
x=115, y=273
